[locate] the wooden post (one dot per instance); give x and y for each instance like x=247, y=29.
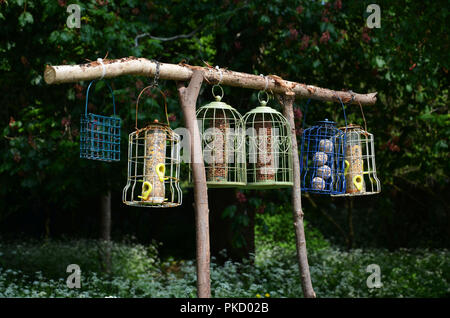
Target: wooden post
x=287, y=101
x=105, y=229
x=188, y=98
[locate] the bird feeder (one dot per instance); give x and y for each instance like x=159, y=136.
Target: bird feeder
x=269, y=148
x=153, y=165
x=322, y=159
x=360, y=170
x=100, y=135
x=223, y=143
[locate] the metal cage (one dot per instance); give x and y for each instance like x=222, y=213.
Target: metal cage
x=268, y=148
x=100, y=135
x=322, y=159
x=153, y=165
x=223, y=143
x=360, y=170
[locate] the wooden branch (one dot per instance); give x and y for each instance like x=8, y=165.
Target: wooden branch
x=183, y=72
x=165, y=39
x=287, y=102
x=188, y=98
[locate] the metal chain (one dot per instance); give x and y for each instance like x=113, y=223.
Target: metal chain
x=156, y=78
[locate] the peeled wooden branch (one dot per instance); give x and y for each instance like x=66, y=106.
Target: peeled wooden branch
x=297, y=211
x=183, y=72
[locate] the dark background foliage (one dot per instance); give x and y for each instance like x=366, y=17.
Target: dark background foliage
x=47, y=190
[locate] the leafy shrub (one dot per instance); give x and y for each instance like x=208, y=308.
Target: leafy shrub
x=274, y=273
x=276, y=225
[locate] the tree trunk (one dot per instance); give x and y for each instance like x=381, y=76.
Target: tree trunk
x=105, y=229
x=350, y=223
x=188, y=99
x=287, y=101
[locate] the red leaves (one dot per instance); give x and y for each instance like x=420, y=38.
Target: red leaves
x=365, y=35
x=325, y=37
x=412, y=66
x=62, y=3
x=241, y=197
x=305, y=42
x=65, y=121
x=78, y=91
x=172, y=118
x=299, y=9
x=293, y=34
x=391, y=145
x=102, y=2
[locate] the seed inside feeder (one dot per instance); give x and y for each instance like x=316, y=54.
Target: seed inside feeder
x=217, y=170
x=265, y=164
x=155, y=147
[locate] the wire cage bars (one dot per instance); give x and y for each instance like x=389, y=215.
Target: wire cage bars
x=322, y=159
x=223, y=143
x=268, y=148
x=153, y=165
x=100, y=135
x=360, y=170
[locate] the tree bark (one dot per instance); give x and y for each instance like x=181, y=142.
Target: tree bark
x=287, y=101
x=188, y=98
x=105, y=229
x=184, y=72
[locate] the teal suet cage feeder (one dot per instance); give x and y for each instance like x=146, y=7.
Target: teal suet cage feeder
x=223, y=143
x=269, y=148
x=100, y=135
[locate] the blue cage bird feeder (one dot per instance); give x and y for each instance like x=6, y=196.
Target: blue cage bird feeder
x=322, y=158
x=100, y=135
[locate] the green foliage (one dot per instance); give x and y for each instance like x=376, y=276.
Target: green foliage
x=53, y=257
x=328, y=45
x=276, y=228
x=26, y=270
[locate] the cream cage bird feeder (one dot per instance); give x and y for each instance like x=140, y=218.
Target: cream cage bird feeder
x=153, y=165
x=360, y=170
x=223, y=143
x=269, y=148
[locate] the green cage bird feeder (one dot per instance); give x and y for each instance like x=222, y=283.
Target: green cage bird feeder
x=153, y=165
x=223, y=143
x=360, y=171
x=269, y=148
